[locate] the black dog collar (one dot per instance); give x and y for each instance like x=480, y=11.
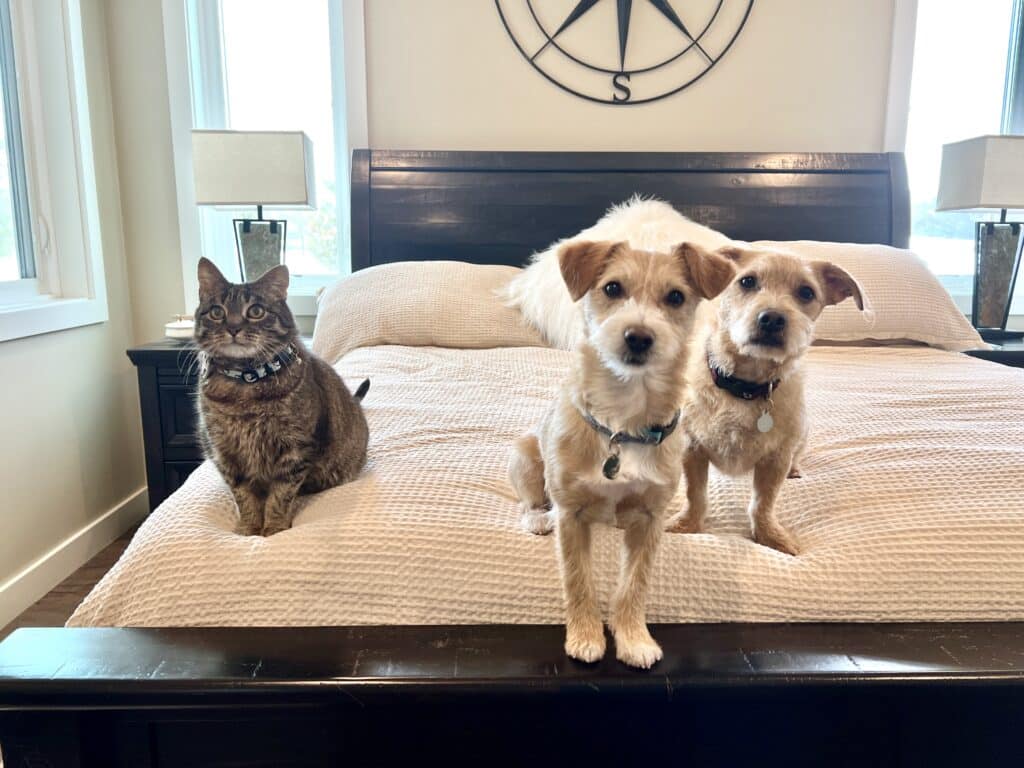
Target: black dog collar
x=652, y=435
x=741, y=388
x=256, y=373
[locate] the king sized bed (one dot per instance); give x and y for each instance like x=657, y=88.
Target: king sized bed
x=409, y=610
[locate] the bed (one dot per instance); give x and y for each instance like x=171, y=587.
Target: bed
x=409, y=610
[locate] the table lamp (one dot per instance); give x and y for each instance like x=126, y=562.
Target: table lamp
x=255, y=168
x=988, y=172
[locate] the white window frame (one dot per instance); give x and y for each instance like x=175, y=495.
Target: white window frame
x=901, y=70
x=897, y=114
x=70, y=287
x=346, y=26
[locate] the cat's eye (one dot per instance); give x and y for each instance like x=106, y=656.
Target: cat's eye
x=216, y=312
x=805, y=293
x=675, y=298
x=255, y=312
x=613, y=289
x=748, y=282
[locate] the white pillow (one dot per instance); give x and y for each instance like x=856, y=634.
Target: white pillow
x=420, y=303
x=905, y=300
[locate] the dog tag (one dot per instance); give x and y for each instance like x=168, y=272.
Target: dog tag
x=611, y=467
x=765, y=422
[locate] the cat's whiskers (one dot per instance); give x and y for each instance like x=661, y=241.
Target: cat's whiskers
x=188, y=361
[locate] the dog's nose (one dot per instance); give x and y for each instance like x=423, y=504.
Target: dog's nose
x=638, y=339
x=771, y=322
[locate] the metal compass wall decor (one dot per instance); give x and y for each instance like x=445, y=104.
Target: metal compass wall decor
x=620, y=51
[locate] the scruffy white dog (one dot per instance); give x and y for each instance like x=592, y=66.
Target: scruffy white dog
x=646, y=225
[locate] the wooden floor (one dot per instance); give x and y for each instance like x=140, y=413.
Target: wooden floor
x=54, y=608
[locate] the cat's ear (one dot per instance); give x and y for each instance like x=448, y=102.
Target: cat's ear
x=274, y=283
x=211, y=281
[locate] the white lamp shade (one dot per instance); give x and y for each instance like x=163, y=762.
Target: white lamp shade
x=984, y=172
x=253, y=168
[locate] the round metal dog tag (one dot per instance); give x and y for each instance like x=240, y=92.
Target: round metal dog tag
x=765, y=422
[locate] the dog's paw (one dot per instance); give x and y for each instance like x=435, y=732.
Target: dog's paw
x=637, y=649
x=681, y=523
x=588, y=646
x=537, y=520
x=778, y=539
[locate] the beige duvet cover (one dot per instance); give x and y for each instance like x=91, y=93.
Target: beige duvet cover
x=911, y=508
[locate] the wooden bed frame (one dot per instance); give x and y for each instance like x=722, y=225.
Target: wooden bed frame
x=726, y=694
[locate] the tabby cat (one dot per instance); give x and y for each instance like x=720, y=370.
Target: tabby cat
x=275, y=419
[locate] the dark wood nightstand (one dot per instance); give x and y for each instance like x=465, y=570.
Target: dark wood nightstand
x=168, y=375
x=1011, y=353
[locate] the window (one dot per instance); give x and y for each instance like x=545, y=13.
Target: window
x=965, y=68
x=269, y=65
x=1013, y=99
x=17, y=259
x=51, y=255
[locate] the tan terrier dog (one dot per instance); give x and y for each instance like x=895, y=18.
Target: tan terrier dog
x=606, y=450
x=744, y=404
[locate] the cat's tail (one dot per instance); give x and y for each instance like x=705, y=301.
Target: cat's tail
x=361, y=392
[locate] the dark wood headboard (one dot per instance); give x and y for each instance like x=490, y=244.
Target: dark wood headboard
x=500, y=207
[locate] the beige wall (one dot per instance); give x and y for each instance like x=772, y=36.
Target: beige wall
x=804, y=75
x=72, y=443
x=142, y=125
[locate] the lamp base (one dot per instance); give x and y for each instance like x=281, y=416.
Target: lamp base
x=996, y=335
x=260, y=244
x=997, y=254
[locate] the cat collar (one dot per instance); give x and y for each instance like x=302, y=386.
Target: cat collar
x=274, y=365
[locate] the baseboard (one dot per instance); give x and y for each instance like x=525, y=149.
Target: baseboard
x=39, y=577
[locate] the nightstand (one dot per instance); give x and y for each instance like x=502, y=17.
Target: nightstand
x=168, y=376
x=1011, y=353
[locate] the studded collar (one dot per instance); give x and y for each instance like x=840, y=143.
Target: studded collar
x=271, y=367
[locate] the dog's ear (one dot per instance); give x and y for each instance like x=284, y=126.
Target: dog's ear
x=708, y=272
x=582, y=264
x=211, y=280
x=736, y=255
x=274, y=283
x=837, y=284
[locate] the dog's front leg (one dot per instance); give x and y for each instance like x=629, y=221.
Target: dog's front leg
x=584, y=632
x=798, y=453
x=633, y=642
x=768, y=477
x=691, y=519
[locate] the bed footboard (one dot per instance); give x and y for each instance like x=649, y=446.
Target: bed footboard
x=728, y=694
